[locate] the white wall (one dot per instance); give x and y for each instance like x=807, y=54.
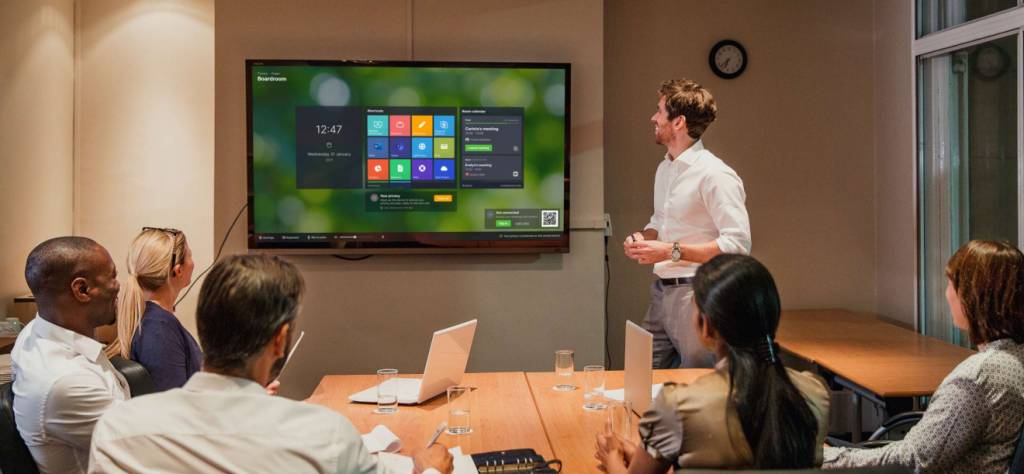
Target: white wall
x=360, y=316
x=36, y=117
x=144, y=125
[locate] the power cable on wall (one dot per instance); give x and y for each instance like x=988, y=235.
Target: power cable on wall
x=215, y=258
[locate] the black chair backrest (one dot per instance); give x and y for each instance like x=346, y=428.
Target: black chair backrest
x=1017, y=463
x=135, y=374
x=15, y=457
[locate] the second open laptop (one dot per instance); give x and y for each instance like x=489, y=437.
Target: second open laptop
x=638, y=374
x=446, y=364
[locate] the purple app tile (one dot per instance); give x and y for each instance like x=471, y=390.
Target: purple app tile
x=422, y=170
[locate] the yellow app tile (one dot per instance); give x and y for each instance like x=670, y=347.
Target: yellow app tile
x=422, y=125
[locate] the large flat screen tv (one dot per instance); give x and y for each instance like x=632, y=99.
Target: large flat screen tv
x=394, y=156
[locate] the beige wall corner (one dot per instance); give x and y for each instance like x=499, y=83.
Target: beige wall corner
x=144, y=125
x=36, y=117
x=895, y=191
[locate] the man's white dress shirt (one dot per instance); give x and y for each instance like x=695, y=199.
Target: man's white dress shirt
x=63, y=383
x=217, y=423
x=697, y=199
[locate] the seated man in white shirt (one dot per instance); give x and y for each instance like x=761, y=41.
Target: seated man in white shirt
x=222, y=420
x=62, y=380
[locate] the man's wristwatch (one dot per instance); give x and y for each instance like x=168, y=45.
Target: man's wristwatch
x=677, y=253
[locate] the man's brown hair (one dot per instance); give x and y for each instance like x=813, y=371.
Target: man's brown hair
x=691, y=100
x=988, y=276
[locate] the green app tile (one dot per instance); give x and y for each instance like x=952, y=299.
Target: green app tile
x=401, y=170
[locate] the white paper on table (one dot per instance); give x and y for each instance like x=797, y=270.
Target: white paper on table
x=380, y=438
x=619, y=394
x=389, y=462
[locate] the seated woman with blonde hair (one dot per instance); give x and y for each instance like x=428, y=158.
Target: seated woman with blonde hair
x=752, y=411
x=159, y=266
x=974, y=418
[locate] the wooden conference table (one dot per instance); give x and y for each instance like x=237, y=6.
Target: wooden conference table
x=509, y=410
x=874, y=359
x=7, y=343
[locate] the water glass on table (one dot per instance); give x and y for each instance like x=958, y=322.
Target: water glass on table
x=593, y=384
x=620, y=418
x=564, y=366
x=460, y=410
x=387, y=391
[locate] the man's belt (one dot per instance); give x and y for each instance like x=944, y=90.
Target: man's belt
x=677, y=281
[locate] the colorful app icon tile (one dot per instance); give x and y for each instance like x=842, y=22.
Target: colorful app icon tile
x=422, y=147
x=400, y=170
x=377, y=170
x=376, y=125
x=401, y=147
x=444, y=125
x=422, y=125
x=400, y=126
x=422, y=170
x=444, y=170
x=377, y=147
x=444, y=147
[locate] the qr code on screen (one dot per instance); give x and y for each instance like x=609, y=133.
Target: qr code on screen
x=549, y=218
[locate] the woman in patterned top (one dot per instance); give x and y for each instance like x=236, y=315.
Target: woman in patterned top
x=974, y=419
x=751, y=412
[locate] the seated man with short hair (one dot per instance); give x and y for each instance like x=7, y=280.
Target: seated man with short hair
x=222, y=419
x=63, y=382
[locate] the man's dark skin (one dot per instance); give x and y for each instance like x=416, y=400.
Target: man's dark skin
x=82, y=299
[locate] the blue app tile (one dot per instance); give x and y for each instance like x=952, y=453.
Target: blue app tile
x=422, y=170
x=444, y=170
x=377, y=147
x=422, y=147
x=376, y=125
x=444, y=125
x=401, y=147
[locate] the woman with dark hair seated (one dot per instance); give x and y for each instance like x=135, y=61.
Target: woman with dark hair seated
x=751, y=412
x=974, y=419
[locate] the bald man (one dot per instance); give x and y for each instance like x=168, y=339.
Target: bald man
x=63, y=382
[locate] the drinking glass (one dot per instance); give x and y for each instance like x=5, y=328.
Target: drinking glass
x=387, y=391
x=593, y=388
x=459, y=410
x=620, y=418
x=563, y=370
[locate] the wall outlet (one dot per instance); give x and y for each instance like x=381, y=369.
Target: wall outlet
x=607, y=225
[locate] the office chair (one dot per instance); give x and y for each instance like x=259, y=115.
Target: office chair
x=1017, y=461
x=135, y=374
x=15, y=457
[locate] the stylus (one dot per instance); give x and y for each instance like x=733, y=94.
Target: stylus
x=296, y=346
x=437, y=434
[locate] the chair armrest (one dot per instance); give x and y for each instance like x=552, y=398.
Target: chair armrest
x=902, y=420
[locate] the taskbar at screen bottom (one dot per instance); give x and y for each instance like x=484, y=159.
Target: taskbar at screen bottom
x=553, y=241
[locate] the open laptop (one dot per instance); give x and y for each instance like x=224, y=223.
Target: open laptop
x=446, y=363
x=638, y=374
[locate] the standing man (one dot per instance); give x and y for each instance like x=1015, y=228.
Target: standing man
x=699, y=212
x=63, y=382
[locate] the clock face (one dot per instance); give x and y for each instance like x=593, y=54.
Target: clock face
x=728, y=59
x=990, y=62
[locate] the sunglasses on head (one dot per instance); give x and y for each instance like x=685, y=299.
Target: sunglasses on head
x=174, y=233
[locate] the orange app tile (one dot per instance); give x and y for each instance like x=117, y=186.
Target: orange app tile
x=377, y=170
x=400, y=125
x=422, y=125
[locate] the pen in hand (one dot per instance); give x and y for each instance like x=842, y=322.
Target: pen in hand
x=440, y=429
